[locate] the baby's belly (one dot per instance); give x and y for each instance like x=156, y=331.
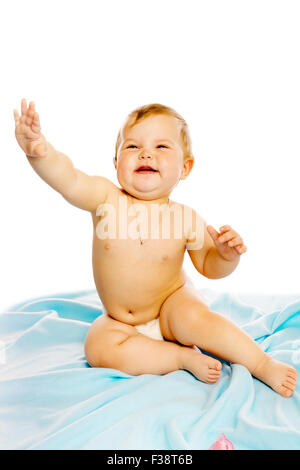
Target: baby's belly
x=133, y=288
x=134, y=302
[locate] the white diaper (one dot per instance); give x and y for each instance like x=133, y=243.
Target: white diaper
x=151, y=329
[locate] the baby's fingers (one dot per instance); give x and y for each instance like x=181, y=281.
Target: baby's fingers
x=235, y=241
x=241, y=248
x=30, y=113
x=23, y=107
x=36, y=125
x=16, y=116
x=34, y=118
x=26, y=112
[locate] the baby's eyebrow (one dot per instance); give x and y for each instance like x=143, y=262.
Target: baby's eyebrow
x=156, y=140
x=164, y=140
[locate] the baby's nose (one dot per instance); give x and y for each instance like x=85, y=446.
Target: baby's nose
x=145, y=154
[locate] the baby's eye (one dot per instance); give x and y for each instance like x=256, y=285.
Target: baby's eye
x=161, y=145
x=129, y=146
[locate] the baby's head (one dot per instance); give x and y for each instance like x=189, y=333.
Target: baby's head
x=157, y=137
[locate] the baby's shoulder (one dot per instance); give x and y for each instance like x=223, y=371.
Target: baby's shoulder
x=109, y=203
x=194, y=227
x=189, y=212
x=112, y=195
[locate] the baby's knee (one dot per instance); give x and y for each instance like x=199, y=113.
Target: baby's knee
x=197, y=313
x=103, y=352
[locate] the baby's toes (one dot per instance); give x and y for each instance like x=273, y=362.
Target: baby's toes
x=214, y=374
x=292, y=374
x=213, y=377
x=289, y=384
x=214, y=365
x=283, y=390
x=286, y=388
x=292, y=381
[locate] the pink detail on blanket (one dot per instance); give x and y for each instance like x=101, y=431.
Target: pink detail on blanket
x=222, y=443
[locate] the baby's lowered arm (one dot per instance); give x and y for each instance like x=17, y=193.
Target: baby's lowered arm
x=198, y=251
x=54, y=167
x=206, y=257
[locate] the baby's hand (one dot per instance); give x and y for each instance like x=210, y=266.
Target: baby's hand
x=28, y=131
x=229, y=243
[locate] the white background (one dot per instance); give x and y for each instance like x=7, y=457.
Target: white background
x=231, y=68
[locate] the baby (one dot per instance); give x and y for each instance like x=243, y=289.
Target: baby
x=153, y=316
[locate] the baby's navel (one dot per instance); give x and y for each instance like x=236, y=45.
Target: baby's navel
x=106, y=246
x=165, y=258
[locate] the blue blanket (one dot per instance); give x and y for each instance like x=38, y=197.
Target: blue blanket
x=51, y=399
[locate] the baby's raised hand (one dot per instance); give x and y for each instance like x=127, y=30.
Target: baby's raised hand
x=228, y=242
x=28, y=131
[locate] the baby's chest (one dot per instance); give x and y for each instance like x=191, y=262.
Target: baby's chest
x=156, y=227
x=140, y=252
x=143, y=237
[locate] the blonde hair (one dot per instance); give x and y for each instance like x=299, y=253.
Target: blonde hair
x=142, y=112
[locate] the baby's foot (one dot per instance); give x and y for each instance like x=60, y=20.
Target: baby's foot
x=279, y=376
x=205, y=368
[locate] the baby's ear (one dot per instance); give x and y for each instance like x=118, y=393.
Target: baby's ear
x=187, y=168
x=115, y=163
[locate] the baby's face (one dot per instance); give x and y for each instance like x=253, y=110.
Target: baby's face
x=153, y=142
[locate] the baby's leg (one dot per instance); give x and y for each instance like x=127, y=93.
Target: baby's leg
x=184, y=317
x=116, y=345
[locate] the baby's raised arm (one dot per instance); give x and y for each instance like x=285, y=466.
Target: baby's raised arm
x=55, y=168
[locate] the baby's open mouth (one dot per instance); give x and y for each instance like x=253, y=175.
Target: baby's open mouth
x=146, y=169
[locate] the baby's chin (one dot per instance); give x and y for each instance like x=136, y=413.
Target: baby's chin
x=148, y=189
x=144, y=194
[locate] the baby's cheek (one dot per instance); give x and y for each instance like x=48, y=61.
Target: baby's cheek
x=171, y=173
